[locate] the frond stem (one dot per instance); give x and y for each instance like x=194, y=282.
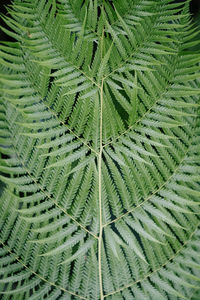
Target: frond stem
x=100, y=195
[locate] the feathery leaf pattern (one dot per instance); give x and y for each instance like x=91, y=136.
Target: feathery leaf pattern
x=99, y=151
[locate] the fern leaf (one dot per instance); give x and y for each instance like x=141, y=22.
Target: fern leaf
x=99, y=151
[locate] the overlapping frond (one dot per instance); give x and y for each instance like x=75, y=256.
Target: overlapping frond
x=99, y=141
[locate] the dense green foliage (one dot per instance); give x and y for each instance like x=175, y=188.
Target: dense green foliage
x=99, y=140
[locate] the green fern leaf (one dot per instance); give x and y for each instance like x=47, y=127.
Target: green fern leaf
x=99, y=143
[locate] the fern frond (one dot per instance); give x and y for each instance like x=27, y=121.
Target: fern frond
x=99, y=142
